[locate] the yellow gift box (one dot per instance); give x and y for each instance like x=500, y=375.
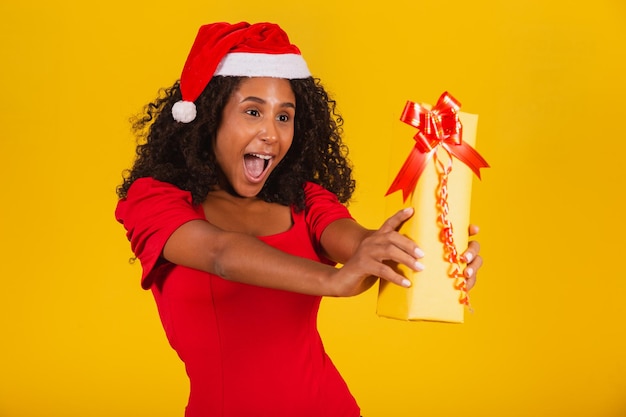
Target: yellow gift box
x=436, y=180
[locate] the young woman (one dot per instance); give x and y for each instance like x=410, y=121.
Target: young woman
x=234, y=207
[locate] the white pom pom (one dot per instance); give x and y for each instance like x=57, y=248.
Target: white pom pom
x=184, y=111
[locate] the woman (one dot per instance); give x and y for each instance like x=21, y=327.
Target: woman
x=234, y=208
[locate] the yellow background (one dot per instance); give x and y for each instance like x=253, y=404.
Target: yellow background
x=78, y=337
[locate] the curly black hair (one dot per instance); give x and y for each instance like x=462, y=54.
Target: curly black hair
x=182, y=153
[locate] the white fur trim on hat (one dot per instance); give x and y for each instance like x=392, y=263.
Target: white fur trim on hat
x=244, y=64
x=184, y=111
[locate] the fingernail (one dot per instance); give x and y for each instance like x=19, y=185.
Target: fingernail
x=419, y=253
x=469, y=272
x=419, y=266
x=468, y=257
x=406, y=283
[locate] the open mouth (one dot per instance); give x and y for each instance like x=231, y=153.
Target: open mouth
x=256, y=164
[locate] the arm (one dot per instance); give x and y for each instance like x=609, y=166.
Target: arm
x=242, y=258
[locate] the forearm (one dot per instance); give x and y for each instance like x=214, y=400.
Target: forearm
x=243, y=258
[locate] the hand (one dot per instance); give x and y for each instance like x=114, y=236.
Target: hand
x=472, y=258
x=377, y=250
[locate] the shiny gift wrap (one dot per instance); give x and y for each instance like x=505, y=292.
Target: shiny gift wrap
x=436, y=180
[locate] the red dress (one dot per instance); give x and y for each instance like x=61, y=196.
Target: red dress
x=248, y=351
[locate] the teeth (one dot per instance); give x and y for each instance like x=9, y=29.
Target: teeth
x=266, y=157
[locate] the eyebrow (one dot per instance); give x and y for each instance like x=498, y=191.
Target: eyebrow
x=261, y=101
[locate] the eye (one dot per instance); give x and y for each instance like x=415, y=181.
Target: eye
x=253, y=112
x=283, y=118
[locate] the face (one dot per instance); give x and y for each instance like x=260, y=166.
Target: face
x=256, y=132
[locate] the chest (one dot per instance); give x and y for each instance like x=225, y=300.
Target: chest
x=255, y=217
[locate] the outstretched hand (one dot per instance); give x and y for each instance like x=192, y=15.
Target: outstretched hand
x=370, y=260
x=375, y=254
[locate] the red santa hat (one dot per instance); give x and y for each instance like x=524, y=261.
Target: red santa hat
x=241, y=49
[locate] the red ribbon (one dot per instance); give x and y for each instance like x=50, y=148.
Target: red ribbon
x=439, y=126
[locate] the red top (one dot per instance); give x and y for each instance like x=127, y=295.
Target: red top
x=248, y=351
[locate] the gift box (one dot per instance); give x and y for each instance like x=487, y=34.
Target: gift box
x=436, y=180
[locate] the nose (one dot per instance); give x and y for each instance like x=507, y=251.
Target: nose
x=269, y=131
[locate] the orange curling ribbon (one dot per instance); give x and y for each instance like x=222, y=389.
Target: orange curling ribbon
x=446, y=236
x=438, y=129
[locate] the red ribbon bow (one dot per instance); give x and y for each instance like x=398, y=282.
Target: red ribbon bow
x=437, y=127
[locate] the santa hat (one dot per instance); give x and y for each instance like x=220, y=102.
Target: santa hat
x=241, y=49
